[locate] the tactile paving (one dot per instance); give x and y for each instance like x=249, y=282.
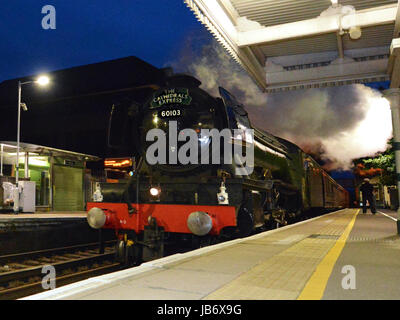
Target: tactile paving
x=284, y=275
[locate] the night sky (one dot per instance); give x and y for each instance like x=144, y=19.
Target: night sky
x=166, y=33
x=89, y=31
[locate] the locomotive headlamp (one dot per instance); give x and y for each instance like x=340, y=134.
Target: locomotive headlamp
x=222, y=196
x=155, y=191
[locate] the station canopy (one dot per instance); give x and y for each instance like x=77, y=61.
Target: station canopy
x=298, y=44
x=33, y=149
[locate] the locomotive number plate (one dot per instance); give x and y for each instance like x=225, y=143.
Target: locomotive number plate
x=170, y=113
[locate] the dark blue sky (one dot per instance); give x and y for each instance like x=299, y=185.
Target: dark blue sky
x=89, y=31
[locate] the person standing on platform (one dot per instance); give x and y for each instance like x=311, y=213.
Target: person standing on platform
x=367, y=194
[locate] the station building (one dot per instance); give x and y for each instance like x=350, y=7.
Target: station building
x=53, y=179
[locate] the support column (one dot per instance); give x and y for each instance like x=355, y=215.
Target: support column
x=340, y=45
x=393, y=96
x=1, y=158
x=26, y=166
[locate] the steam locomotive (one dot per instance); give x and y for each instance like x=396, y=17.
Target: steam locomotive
x=200, y=199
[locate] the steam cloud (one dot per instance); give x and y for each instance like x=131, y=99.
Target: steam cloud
x=337, y=123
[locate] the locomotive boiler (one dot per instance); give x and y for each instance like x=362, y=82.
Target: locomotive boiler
x=204, y=174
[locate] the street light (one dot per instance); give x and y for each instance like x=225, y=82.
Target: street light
x=42, y=81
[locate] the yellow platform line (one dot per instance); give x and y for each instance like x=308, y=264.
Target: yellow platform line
x=315, y=287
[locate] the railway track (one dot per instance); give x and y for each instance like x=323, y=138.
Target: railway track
x=21, y=274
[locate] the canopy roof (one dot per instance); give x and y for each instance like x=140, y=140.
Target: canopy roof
x=10, y=146
x=293, y=44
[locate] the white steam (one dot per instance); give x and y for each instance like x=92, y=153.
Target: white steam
x=369, y=135
x=340, y=123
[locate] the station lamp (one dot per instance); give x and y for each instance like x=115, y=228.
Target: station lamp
x=42, y=80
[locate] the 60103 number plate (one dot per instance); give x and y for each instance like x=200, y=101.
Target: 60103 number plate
x=170, y=113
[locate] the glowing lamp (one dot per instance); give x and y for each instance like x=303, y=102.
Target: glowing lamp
x=155, y=191
x=43, y=80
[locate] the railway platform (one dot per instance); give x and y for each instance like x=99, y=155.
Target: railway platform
x=342, y=255
x=40, y=217
x=25, y=232
x=43, y=215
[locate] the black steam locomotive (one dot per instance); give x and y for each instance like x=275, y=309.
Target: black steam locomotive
x=204, y=173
